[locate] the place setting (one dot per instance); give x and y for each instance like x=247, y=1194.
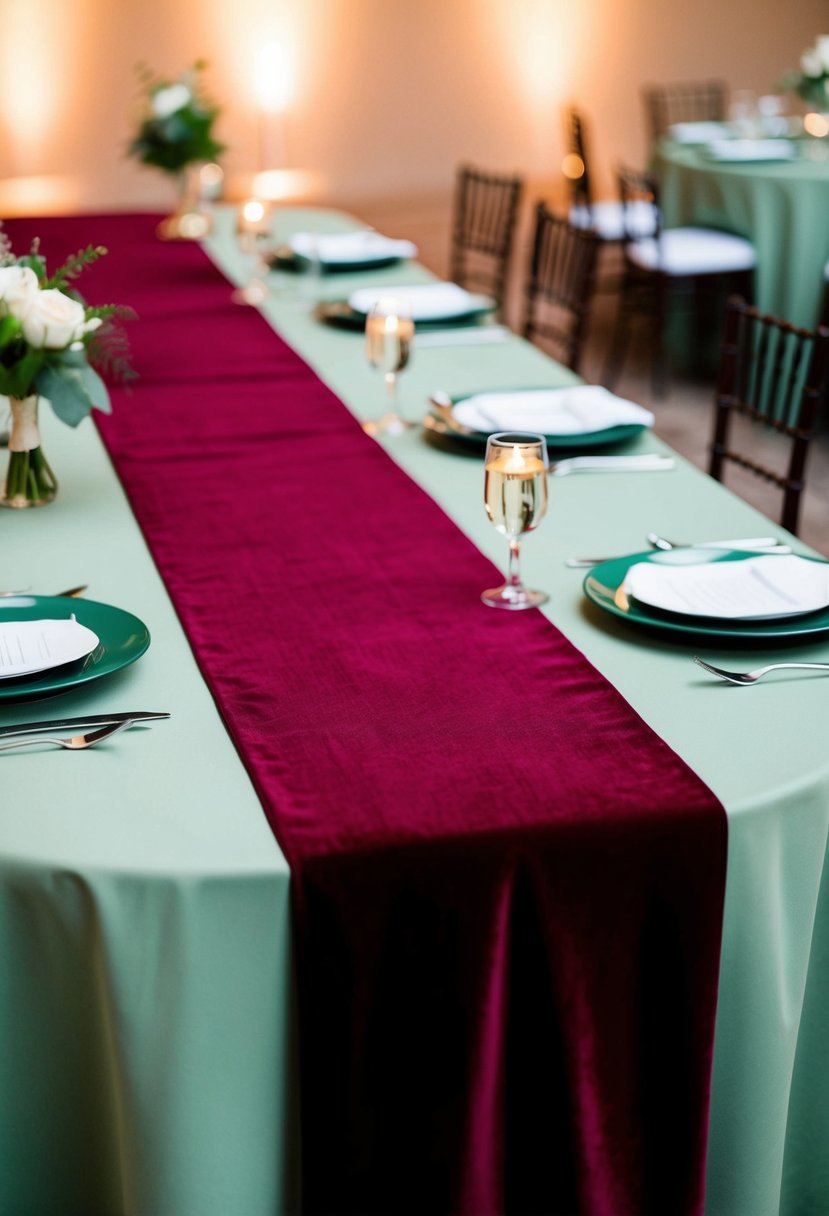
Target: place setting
x=432, y=306
x=577, y=416
x=716, y=590
x=339, y=252
x=54, y=644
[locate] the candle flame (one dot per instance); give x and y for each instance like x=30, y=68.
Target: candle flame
x=516, y=461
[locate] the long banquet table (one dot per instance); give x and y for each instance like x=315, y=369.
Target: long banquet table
x=148, y=1061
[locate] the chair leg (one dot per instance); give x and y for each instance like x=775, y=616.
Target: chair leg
x=659, y=370
x=619, y=341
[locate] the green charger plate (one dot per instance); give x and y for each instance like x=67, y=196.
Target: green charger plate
x=284, y=258
x=581, y=439
x=122, y=639
x=340, y=312
x=603, y=587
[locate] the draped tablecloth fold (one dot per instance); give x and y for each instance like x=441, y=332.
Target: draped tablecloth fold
x=507, y=889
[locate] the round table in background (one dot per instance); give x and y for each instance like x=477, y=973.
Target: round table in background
x=781, y=206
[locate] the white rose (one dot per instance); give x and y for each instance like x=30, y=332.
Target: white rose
x=53, y=320
x=18, y=285
x=170, y=99
x=811, y=63
x=822, y=50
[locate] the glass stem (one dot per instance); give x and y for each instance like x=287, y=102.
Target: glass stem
x=513, y=573
x=391, y=391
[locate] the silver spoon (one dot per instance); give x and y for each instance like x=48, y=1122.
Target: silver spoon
x=75, y=743
x=748, y=542
x=751, y=677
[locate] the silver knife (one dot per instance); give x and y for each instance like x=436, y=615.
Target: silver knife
x=37, y=728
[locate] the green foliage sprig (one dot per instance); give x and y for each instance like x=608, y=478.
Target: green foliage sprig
x=176, y=129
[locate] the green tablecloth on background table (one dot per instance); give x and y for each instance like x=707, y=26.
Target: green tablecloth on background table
x=781, y=206
x=144, y=934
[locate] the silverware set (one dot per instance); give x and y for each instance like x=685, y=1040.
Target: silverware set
x=98, y=728
x=749, y=544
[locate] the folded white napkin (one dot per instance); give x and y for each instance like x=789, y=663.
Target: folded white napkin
x=697, y=132
x=30, y=646
x=427, y=301
x=754, y=589
x=340, y=248
x=751, y=149
x=577, y=410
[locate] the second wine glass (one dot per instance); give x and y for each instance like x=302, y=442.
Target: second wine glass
x=515, y=496
x=252, y=229
x=389, y=333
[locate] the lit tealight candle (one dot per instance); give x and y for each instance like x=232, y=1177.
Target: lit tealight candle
x=516, y=463
x=252, y=217
x=816, y=125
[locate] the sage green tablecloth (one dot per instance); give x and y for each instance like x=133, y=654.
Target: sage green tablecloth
x=781, y=206
x=146, y=1055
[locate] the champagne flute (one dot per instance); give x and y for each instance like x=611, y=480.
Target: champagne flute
x=389, y=333
x=253, y=226
x=515, y=496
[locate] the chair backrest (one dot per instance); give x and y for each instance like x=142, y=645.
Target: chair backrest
x=483, y=230
x=578, y=169
x=686, y=101
x=639, y=199
x=775, y=375
x=560, y=286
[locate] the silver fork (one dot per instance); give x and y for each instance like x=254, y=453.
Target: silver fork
x=75, y=743
x=751, y=677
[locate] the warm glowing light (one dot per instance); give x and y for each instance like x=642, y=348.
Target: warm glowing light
x=38, y=40
x=816, y=124
x=276, y=184
x=572, y=167
x=273, y=77
x=42, y=195
x=253, y=211
x=544, y=55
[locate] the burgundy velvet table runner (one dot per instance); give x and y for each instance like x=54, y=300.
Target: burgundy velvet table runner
x=507, y=890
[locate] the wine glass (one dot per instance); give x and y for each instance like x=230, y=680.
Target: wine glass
x=515, y=496
x=253, y=227
x=389, y=333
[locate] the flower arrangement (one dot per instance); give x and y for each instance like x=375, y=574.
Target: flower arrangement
x=176, y=129
x=51, y=344
x=811, y=82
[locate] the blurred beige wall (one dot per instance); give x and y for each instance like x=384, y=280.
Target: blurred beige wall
x=385, y=96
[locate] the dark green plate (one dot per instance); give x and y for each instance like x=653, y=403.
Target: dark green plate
x=122, y=639
x=340, y=312
x=603, y=586
x=580, y=440
x=284, y=258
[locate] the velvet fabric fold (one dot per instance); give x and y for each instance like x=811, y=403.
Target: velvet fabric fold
x=507, y=889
